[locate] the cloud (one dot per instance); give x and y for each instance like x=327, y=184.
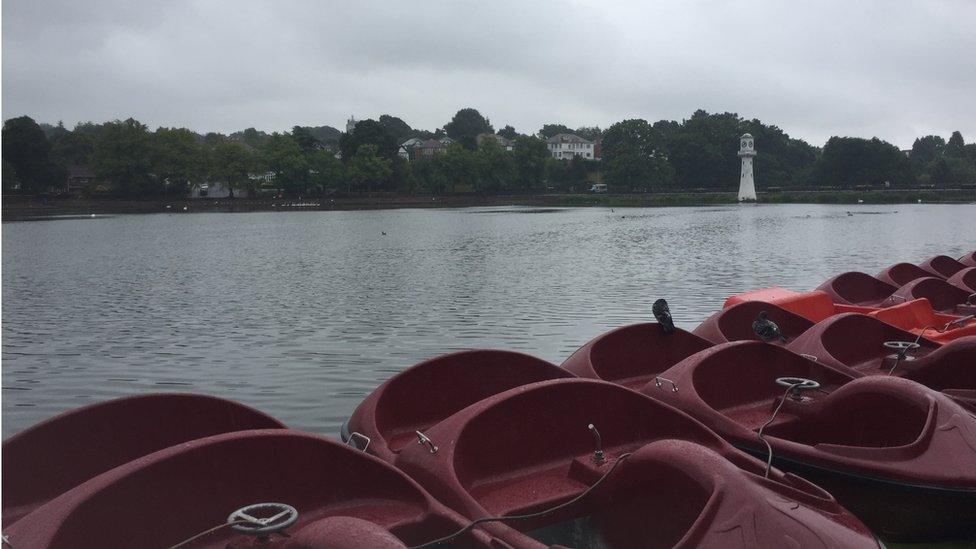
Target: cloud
x=815, y=69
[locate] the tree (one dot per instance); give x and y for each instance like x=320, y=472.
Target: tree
x=589, y=133
x=284, y=158
x=852, y=161
x=327, y=173
x=367, y=169
x=466, y=125
x=634, y=158
x=398, y=129
x=368, y=132
x=178, y=159
x=926, y=149
x=549, y=130
x=508, y=132
x=306, y=141
x=530, y=155
x=123, y=157
x=27, y=151
x=232, y=163
x=955, y=146
x=496, y=168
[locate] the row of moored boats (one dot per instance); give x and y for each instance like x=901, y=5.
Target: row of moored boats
x=826, y=418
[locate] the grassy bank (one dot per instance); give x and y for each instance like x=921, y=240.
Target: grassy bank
x=16, y=208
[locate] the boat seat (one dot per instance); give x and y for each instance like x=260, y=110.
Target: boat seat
x=969, y=259
x=965, y=279
x=856, y=288
x=735, y=323
x=944, y=297
x=900, y=274
x=942, y=266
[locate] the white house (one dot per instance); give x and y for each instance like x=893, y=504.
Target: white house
x=565, y=146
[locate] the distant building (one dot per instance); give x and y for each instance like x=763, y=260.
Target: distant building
x=565, y=146
x=598, y=148
x=350, y=124
x=215, y=190
x=446, y=140
x=429, y=148
x=80, y=179
x=506, y=144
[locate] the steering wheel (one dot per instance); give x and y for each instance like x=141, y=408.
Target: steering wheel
x=280, y=516
x=797, y=383
x=901, y=347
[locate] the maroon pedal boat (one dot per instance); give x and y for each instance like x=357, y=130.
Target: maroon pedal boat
x=883, y=349
x=274, y=489
x=420, y=396
x=56, y=455
x=632, y=355
x=585, y=463
x=901, y=456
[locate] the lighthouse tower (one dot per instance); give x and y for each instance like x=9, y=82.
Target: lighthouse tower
x=747, y=150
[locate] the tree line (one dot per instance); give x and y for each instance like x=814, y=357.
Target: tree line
x=698, y=153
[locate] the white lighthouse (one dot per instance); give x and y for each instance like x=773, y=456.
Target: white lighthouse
x=747, y=150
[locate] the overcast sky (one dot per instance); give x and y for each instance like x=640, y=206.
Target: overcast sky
x=895, y=70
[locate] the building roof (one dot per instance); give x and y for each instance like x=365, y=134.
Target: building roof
x=504, y=142
x=431, y=144
x=567, y=138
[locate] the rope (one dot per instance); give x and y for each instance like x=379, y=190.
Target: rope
x=208, y=531
x=538, y=514
x=769, y=448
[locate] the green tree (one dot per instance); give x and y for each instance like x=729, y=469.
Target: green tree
x=466, y=125
x=178, y=159
x=27, y=151
x=549, y=130
x=508, y=132
x=123, y=157
x=926, y=149
x=955, y=146
x=496, y=169
x=285, y=160
x=458, y=166
x=307, y=142
x=633, y=157
x=368, y=132
x=852, y=161
x=530, y=155
x=590, y=133
x=396, y=128
x=327, y=173
x=368, y=169
x=232, y=162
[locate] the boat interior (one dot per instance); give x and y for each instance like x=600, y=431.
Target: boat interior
x=942, y=266
x=900, y=274
x=633, y=355
x=856, y=288
x=93, y=439
x=735, y=323
x=944, y=297
x=964, y=279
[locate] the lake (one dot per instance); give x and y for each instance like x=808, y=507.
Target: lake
x=302, y=314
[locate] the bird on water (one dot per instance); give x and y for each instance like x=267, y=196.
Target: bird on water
x=766, y=329
x=662, y=313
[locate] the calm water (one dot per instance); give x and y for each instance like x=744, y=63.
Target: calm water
x=303, y=314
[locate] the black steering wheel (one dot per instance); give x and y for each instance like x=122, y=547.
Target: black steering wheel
x=797, y=383
x=276, y=517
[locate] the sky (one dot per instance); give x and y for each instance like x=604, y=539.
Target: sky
x=884, y=68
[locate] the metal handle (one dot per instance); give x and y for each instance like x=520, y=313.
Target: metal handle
x=424, y=439
x=658, y=383
x=598, y=455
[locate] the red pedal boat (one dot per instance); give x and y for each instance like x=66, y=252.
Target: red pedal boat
x=585, y=463
x=274, y=489
x=58, y=454
x=900, y=456
x=631, y=356
x=416, y=398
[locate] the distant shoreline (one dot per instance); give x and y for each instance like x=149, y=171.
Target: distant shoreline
x=17, y=208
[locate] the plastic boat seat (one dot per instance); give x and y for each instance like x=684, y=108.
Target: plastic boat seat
x=969, y=259
x=942, y=266
x=735, y=323
x=965, y=279
x=950, y=369
x=918, y=317
x=430, y=391
x=856, y=288
x=56, y=455
x=632, y=355
x=944, y=297
x=900, y=274
x=855, y=341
